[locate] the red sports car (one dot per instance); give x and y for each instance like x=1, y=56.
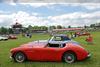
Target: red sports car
x=58, y=48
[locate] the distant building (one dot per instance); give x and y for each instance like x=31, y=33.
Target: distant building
x=17, y=28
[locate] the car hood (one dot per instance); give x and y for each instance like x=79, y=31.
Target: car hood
x=36, y=44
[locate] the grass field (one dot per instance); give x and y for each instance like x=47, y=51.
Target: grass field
x=5, y=47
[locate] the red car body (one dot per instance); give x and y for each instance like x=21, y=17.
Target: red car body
x=39, y=51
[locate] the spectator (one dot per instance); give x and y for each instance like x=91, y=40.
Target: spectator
x=30, y=35
x=89, y=39
x=75, y=34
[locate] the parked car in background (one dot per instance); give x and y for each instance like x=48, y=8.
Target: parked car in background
x=82, y=33
x=57, y=48
x=2, y=38
x=12, y=36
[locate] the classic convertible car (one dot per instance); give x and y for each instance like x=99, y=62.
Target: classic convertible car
x=57, y=48
x=12, y=37
x=2, y=38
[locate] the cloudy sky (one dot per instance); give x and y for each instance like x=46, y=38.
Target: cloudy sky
x=74, y=14
x=52, y=1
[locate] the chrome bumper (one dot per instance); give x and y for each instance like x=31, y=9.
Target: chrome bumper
x=10, y=57
x=89, y=55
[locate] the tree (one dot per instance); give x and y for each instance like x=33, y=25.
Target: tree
x=44, y=28
x=35, y=28
x=92, y=25
x=24, y=30
x=69, y=26
x=59, y=27
x=85, y=26
x=3, y=30
x=52, y=27
x=10, y=31
x=30, y=27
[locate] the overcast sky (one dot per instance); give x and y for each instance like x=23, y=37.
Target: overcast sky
x=74, y=14
x=52, y=1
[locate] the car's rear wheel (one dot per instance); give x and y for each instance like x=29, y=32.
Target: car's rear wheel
x=69, y=57
x=19, y=57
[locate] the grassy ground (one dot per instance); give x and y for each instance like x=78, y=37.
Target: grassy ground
x=5, y=47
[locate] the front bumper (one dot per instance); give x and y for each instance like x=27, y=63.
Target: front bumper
x=89, y=55
x=10, y=57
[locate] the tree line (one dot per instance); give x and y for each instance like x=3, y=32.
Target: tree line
x=4, y=30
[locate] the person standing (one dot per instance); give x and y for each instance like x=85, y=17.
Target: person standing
x=89, y=39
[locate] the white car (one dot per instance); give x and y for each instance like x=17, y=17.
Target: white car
x=3, y=38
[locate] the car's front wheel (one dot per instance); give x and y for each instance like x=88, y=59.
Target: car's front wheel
x=19, y=57
x=69, y=57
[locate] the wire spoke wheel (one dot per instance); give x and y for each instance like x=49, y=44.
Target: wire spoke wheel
x=69, y=57
x=19, y=57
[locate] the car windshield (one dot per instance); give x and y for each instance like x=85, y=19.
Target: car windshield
x=60, y=38
x=57, y=39
x=64, y=38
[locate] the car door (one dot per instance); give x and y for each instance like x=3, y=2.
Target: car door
x=53, y=53
x=47, y=54
x=38, y=54
x=55, y=40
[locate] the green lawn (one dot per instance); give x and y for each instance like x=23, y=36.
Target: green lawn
x=5, y=47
